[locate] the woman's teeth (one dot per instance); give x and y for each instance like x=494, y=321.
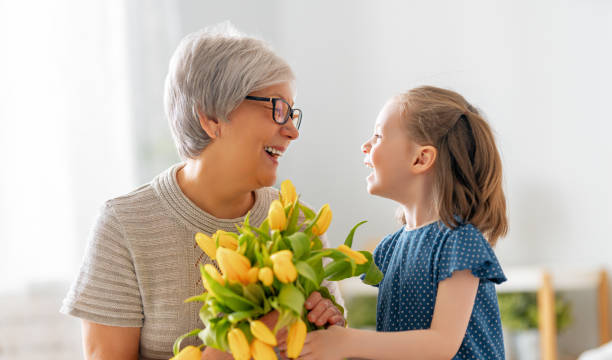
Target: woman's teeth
x=272, y=151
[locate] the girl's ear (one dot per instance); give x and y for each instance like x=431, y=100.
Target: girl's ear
x=425, y=157
x=209, y=125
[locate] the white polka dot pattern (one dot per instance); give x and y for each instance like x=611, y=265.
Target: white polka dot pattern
x=415, y=261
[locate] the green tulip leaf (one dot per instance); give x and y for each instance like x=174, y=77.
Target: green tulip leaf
x=300, y=244
x=293, y=219
x=313, y=222
x=254, y=293
x=239, y=315
x=349, y=238
x=285, y=318
x=265, y=227
x=246, y=329
x=308, y=213
x=265, y=235
x=177, y=343
x=373, y=276
x=216, y=307
x=309, y=287
x=226, y=296
x=317, y=255
x=221, y=330
x=202, y=297
x=308, y=272
x=317, y=244
x=208, y=337
x=291, y=298
x=337, y=269
x=258, y=254
x=246, y=218
x=244, y=243
x=206, y=313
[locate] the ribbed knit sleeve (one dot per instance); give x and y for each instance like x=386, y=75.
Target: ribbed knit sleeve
x=106, y=290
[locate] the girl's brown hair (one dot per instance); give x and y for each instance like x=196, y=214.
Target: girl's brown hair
x=468, y=171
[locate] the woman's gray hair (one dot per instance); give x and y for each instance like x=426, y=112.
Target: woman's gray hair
x=213, y=70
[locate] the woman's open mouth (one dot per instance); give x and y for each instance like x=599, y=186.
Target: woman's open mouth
x=274, y=153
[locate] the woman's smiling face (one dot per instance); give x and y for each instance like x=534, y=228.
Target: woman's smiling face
x=252, y=142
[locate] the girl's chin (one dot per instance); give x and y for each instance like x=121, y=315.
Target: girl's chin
x=371, y=187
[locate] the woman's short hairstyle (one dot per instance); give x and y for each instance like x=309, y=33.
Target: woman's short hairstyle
x=213, y=70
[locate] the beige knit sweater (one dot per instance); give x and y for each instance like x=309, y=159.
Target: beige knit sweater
x=141, y=262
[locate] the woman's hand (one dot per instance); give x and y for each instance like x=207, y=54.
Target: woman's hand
x=210, y=353
x=323, y=311
x=324, y=344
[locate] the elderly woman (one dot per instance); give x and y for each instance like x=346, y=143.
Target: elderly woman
x=229, y=102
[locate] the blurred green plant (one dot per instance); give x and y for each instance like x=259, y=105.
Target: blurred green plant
x=519, y=311
x=362, y=312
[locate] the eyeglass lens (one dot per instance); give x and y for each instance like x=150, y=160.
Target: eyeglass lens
x=282, y=112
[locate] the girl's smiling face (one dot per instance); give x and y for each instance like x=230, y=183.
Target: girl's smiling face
x=390, y=154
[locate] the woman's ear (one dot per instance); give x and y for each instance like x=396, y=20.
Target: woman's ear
x=209, y=125
x=425, y=158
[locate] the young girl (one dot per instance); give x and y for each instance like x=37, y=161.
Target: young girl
x=435, y=155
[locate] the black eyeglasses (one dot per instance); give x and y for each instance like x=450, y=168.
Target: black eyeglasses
x=281, y=110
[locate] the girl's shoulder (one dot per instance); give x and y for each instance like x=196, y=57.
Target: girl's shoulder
x=390, y=238
x=462, y=232
x=465, y=247
x=387, y=244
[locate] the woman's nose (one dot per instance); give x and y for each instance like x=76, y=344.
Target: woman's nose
x=289, y=130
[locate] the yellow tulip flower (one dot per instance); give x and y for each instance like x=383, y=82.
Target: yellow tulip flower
x=296, y=338
x=189, y=352
x=276, y=216
x=358, y=257
x=233, y=265
x=212, y=271
x=266, y=276
x=282, y=256
x=324, y=220
x=288, y=194
x=207, y=244
x=283, y=267
x=262, y=351
x=252, y=275
x=262, y=332
x=226, y=240
x=239, y=346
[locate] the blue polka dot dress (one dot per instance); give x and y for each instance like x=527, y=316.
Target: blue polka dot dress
x=415, y=261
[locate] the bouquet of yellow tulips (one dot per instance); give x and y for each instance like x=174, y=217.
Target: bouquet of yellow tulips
x=274, y=266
